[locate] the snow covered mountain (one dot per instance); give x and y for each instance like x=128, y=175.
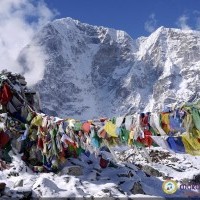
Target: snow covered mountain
x=95, y=71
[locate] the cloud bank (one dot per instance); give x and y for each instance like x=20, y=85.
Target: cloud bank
x=19, y=21
x=182, y=22
x=151, y=23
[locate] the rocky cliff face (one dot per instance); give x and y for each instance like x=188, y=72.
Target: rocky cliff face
x=95, y=71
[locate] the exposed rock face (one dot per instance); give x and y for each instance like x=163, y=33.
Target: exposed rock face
x=2, y=187
x=151, y=171
x=73, y=170
x=95, y=71
x=137, y=188
x=19, y=183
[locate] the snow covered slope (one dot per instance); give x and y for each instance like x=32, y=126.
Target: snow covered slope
x=95, y=71
x=89, y=180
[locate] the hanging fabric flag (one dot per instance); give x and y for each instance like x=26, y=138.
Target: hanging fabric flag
x=110, y=128
x=195, y=133
x=30, y=116
x=40, y=144
x=130, y=139
x=37, y=120
x=5, y=94
x=4, y=139
x=95, y=141
x=77, y=126
x=188, y=122
x=65, y=137
x=26, y=132
x=175, y=124
x=147, y=140
x=102, y=133
x=86, y=127
x=119, y=121
x=176, y=144
x=165, y=122
x=192, y=145
x=128, y=122
x=196, y=118
x=155, y=123
x=71, y=123
x=124, y=136
x=161, y=141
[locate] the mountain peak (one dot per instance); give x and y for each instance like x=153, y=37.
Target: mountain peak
x=68, y=26
x=162, y=30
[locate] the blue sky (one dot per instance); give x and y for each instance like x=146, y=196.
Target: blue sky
x=21, y=19
x=136, y=17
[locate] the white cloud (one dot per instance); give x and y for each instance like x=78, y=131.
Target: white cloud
x=19, y=20
x=182, y=22
x=151, y=23
x=196, y=14
x=198, y=23
x=35, y=63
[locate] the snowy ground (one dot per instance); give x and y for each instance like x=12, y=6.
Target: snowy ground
x=135, y=175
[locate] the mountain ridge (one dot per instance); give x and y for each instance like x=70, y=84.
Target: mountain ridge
x=94, y=71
